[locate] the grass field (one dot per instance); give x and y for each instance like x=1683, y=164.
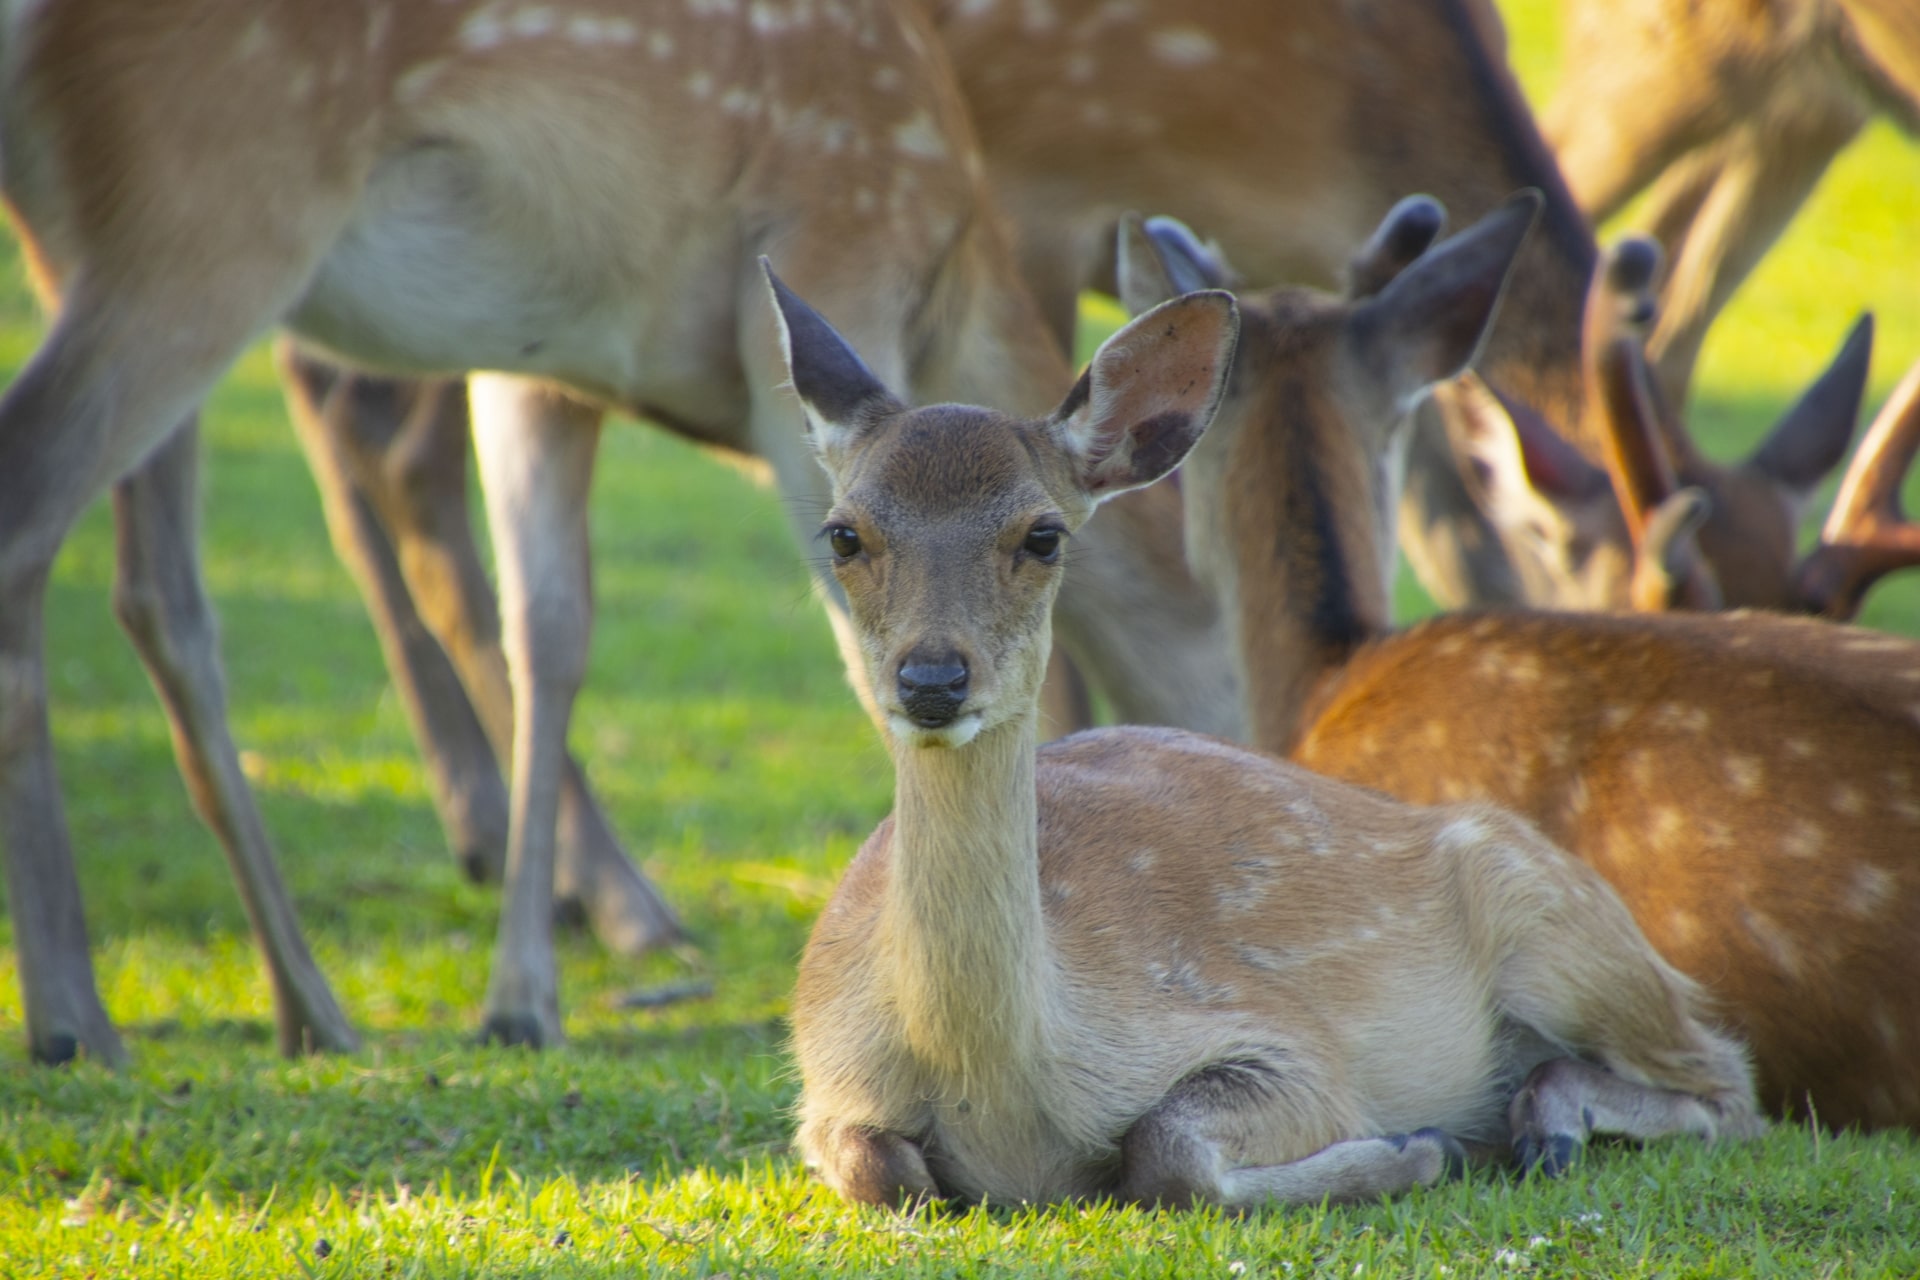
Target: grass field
x=735, y=763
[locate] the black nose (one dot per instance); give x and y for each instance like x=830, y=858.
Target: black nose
x=932, y=692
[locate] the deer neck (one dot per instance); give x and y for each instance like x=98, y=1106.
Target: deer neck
x=1533, y=349
x=962, y=924
x=1295, y=546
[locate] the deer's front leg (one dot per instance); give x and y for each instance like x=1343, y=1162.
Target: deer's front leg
x=1229, y=1135
x=536, y=449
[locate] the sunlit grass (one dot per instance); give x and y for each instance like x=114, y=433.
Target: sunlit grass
x=721, y=736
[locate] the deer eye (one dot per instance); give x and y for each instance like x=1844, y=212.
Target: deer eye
x=844, y=541
x=1043, y=543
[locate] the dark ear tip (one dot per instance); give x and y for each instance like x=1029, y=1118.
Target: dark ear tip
x=1415, y=223
x=1632, y=265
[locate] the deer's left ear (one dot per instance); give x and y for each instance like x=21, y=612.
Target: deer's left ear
x=841, y=396
x=1151, y=390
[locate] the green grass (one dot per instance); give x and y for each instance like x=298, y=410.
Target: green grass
x=732, y=758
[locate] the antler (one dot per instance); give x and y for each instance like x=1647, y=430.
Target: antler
x=1623, y=402
x=1867, y=533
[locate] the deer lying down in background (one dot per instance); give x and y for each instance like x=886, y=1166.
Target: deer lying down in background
x=1145, y=963
x=1602, y=532
x=1749, y=784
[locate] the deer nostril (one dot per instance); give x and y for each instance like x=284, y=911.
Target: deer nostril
x=931, y=692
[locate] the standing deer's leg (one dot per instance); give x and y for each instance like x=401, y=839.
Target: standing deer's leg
x=1222, y=1136
x=38, y=501
x=536, y=449
x=467, y=788
x=106, y=387
x=399, y=450
x=162, y=604
x=1765, y=172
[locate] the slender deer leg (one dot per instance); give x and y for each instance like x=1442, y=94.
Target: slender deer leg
x=62, y=1003
x=1201, y=1144
x=467, y=788
x=1765, y=175
x=399, y=448
x=536, y=449
x=162, y=604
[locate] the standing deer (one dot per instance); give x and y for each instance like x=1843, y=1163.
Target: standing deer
x=1749, y=784
x=572, y=200
x=1729, y=111
x=1144, y=963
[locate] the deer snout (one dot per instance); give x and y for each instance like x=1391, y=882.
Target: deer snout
x=932, y=689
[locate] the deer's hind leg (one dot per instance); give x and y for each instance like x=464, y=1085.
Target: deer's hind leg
x=390, y=457
x=1631, y=1052
x=1243, y=1134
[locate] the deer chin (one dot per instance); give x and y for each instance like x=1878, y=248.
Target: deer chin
x=958, y=732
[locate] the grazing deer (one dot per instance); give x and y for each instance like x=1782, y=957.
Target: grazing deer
x=1590, y=525
x=572, y=199
x=1748, y=783
x=1145, y=963
x=1730, y=110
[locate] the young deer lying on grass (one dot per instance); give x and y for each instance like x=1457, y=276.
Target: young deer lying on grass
x=1749, y=784
x=1146, y=963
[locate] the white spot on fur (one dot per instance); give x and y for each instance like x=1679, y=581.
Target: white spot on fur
x=1078, y=68
x=1668, y=826
x=1868, y=889
x=739, y=101
x=1142, y=861
x=887, y=79
x=1683, y=926
x=1745, y=773
x=1773, y=940
x=1884, y=1023
x=700, y=84
x=1611, y=718
x=918, y=136
x=1578, y=797
x=864, y=201
x=1849, y=800
x=482, y=30
x=1800, y=748
x=1803, y=839
x=1878, y=644
x=254, y=40
x=1184, y=47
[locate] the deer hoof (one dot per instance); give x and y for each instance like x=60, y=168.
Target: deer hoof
x=511, y=1029
x=1548, y=1155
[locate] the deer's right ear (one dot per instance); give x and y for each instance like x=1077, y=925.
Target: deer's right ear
x=1151, y=390
x=841, y=396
